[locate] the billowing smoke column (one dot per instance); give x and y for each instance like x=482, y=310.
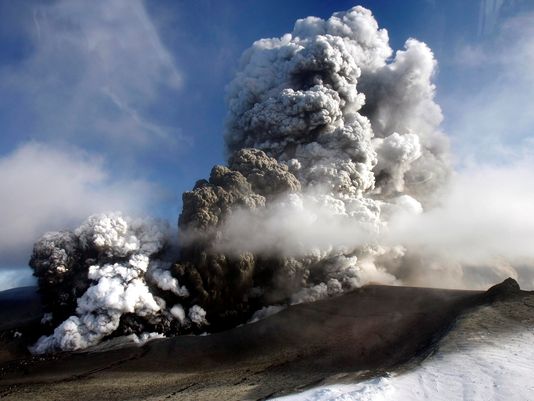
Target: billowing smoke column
x=107, y=278
x=327, y=137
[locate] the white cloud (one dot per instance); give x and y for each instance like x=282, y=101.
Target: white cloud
x=91, y=75
x=489, y=15
x=44, y=188
x=95, y=70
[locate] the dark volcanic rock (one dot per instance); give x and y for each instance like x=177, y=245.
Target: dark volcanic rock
x=508, y=288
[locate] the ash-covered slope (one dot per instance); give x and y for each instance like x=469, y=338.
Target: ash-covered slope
x=347, y=339
x=487, y=355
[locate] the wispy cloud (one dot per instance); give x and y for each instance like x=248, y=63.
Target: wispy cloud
x=95, y=71
x=79, y=109
x=489, y=15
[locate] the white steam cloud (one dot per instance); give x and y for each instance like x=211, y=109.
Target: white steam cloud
x=116, y=287
x=43, y=187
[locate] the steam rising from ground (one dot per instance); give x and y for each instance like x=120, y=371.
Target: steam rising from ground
x=337, y=176
x=106, y=274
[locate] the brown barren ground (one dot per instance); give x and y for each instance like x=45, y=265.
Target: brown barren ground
x=356, y=335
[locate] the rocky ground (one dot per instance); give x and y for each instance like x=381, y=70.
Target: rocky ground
x=345, y=339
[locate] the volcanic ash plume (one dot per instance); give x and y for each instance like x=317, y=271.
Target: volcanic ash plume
x=328, y=136
x=105, y=278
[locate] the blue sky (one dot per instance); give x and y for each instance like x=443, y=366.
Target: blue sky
x=120, y=104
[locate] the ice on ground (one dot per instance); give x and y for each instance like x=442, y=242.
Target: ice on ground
x=488, y=356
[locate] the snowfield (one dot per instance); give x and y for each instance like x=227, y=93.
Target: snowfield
x=488, y=355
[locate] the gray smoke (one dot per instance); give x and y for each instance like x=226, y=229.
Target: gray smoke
x=104, y=278
x=337, y=177
x=326, y=137
x=357, y=130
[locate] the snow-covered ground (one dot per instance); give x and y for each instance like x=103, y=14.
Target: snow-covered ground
x=489, y=355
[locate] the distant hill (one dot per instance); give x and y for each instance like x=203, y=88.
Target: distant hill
x=18, y=305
